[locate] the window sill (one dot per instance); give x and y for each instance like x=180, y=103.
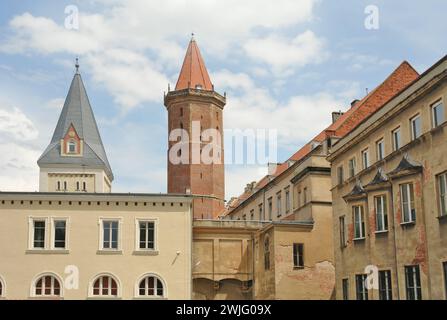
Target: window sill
x=359, y=239
x=381, y=232
x=150, y=298
x=298, y=268
x=145, y=252
x=109, y=252
x=408, y=224
x=103, y=298
x=47, y=251
x=45, y=298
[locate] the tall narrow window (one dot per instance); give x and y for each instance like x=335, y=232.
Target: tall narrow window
x=147, y=235
x=181, y=112
x=385, y=288
x=287, y=192
x=84, y=186
x=413, y=283
x=407, y=202
x=442, y=191
x=267, y=254
x=71, y=147
x=305, y=197
x=340, y=177
x=60, y=234
x=261, y=213
x=299, y=199
x=345, y=288
x=78, y=186
x=278, y=205
x=359, y=222
x=110, y=234
x=39, y=234
x=396, y=139
x=415, y=125
x=270, y=208
x=58, y=186
x=437, y=113
x=342, y=232
x=352, y=166
x=65, y=185
x=380, y=150
x=381, y=213
x=298, y=255
x=361, y=290
x=365, y=158
x=252, y=214
x=444, y=266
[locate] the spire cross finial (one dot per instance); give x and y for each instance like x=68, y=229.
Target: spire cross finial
x=192, y=36
x=77, y=65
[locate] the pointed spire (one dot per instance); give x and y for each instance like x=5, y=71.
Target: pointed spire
x=193, y=74
x=77, y=65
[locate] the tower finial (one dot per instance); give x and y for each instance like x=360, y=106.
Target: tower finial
x=77, y=65
x=192, y=36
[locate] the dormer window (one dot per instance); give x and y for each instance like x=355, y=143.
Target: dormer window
x=198, y=87
x=71, y=146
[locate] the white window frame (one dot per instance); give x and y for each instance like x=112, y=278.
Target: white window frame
x=365, y=158
x=364, y=290
x=101, y=233
x=437, y=122
x=360, y=221
x=442, y=197
x=153, y=297
x=137, y=234
x=31, y=220
x=43, y=296
x=382, y=214
x=70, y=143
x=412, y=126
x=53, y=232
x=396, y=135
x=101, y=296
x=380, y=149
x=387, y=276
x=411, y=199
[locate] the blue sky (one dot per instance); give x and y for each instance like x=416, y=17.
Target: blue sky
x=285, y=65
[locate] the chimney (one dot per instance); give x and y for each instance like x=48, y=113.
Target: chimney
x=336, y=115
x=354, y=102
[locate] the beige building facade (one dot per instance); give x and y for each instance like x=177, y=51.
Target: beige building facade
x=389, y=198
x=95, y=246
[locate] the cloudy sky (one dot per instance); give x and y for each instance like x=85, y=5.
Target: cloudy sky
x=284, y=64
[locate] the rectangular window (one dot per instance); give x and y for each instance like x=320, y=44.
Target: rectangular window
x=359, y=222
x=361, y=290
x=352, y=166
x=396, y=139
x=60, y=232
x=146, y=235
x=305, y=199
x=413, y=283
x=381, y=213
x=252, y=214
x=287, y=200
x=407, y=202
x=261, y=213
x=345, y=288
x=340, y=175
x=437, y=113
x=110, y=234
x=299, y=199
x=385, y=288
x=442, y=193
x=244, y=217
x=298, y=255
x=270, y=208
x=58, y=186
x=342, y=232
x=415, y=125
x=380, y=150
x=39, y=234
x=365, y=159
x=278, y=205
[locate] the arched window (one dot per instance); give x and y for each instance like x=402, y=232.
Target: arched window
x=47, y=286
x=267, y=253
x=71, y=146
x=151, y=286
x=2, y=287
x=105, y=286
x=84, y=186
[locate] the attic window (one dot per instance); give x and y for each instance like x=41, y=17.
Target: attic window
x=71, y=146
x=199, y=86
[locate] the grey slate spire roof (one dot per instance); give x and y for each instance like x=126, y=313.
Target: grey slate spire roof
x=77, y=112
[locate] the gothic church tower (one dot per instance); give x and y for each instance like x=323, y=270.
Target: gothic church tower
x=194, y=106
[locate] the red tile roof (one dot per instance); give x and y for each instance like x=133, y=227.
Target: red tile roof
x=193, y=72
x=396, y=82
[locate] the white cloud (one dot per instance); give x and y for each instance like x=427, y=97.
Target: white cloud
x=15, y=125
x=56, y=103
x=236, y=177
x=282, y=53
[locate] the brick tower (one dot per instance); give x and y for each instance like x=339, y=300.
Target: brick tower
x=194, y=106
